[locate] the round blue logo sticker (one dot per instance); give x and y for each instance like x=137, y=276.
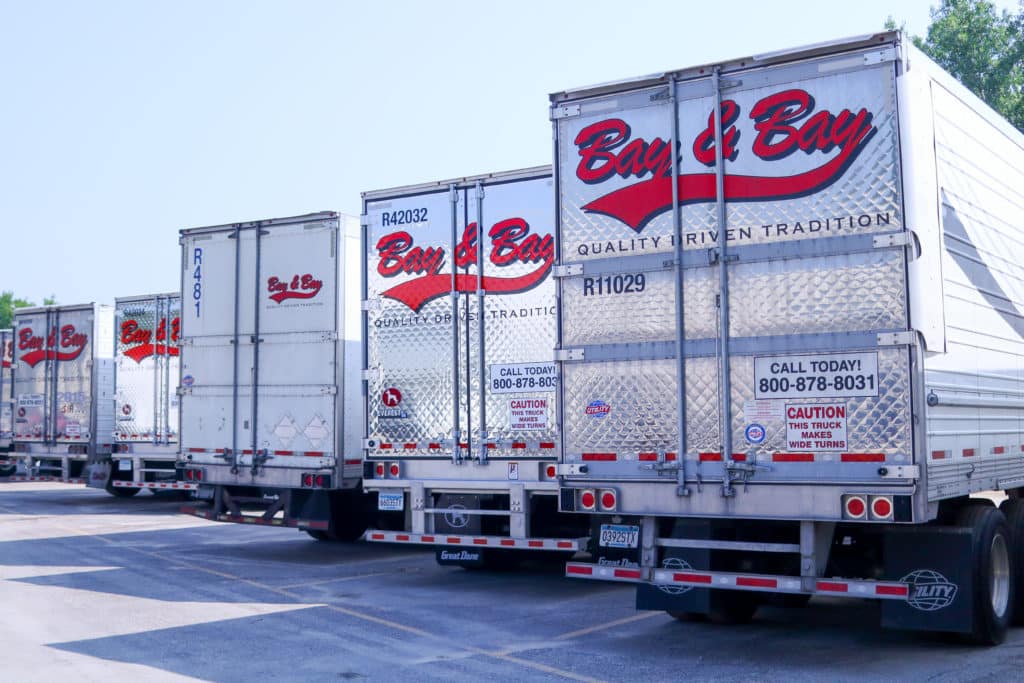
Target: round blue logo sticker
x=187, y=380
x=755, y=433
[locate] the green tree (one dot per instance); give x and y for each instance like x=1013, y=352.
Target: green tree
x=983, y=48
x=8, y=303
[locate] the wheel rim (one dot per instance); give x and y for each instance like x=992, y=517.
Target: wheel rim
x=999, y=583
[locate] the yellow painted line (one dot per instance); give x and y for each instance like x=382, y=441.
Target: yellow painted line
x=611, y=624
x=308, y=584
x=398, y=626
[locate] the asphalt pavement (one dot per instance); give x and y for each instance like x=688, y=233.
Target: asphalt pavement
x=97, y=588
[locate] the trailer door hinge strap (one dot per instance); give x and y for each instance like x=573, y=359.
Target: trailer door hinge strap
x=364, y=220
x=565, y=111
x=371, y=374
x=902, y=338
x=371, y=305
x=893, y=239
x=568, y=270
x=569, y=354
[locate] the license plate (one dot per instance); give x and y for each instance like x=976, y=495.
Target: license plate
x=124, y=465
x=619, y=536
x=392, y=502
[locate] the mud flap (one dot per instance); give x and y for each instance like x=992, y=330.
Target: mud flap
x=309, y=505
x=456, y=520
x=97, y=474
x=936, y=562
x=680, y=598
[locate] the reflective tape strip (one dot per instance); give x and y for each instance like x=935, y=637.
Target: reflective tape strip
x=181, y=486
x=598, y=457
x=551, y=444
x=998, y=450
x=968, y=452
x=355, y=461
x=862, y=457
x=941, y=455
x=567, y=544
x=792, y=457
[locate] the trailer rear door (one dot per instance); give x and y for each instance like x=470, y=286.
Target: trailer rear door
x=798, y=342
x=460, y=358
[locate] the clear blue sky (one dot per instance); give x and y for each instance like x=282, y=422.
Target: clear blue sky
x=123, y=122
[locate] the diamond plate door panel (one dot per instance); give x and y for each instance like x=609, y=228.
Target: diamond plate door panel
x=147, y=362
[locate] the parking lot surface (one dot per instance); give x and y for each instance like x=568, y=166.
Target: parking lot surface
x=98, y=588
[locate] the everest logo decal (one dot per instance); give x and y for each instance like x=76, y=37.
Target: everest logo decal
x=65, y=344
x=512, y=242
x=785, y=122
x=140, y=340
x=299, y=287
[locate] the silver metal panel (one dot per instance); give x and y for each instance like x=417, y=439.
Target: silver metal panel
x=147, y=367
x=304, y=359
x=57, y=399
x=812, y=156
x=411, y=340
x=6, y=387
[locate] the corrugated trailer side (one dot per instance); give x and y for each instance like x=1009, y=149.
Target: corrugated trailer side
x=833, y=248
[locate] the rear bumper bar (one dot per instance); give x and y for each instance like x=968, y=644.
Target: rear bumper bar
x=561, y=544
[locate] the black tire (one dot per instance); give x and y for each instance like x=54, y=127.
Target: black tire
x=992, y=568
x=350, y=515
x=320, y=535
x=1013, y=510
x=733, y=607
x=121, y=492
x=788, y=600
x=8, y=471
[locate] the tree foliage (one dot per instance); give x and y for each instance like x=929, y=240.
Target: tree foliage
x=8, y=302
x=983, y=48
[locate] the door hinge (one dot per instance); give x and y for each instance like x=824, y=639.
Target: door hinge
x=893, y=239
x=565, y=111
x=364, y=220
x=902, y=338
x=567, y=270
x=569, y=354
x=370, y=305
x=371, y=374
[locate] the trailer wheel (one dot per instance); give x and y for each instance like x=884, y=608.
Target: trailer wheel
x=349, y=515
x=733, y=607
x=8, y=471
x=320, y=535
x=1013, y=510
x=992, y=572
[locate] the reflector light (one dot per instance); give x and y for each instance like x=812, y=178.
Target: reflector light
x=394, y=469
x=881, y=507
x=320, y=480
x=550, y=471
x=380, y=469
x=608, y=499
x=307, y=480
x=199, y=475
x=855, y=507
x=588, y=500
x=189, y=474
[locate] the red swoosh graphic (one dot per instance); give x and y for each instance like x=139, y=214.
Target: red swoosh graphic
x=637, y=204
x=33, y=357
x=137, y=353
x=415, y=293
x=281, y=296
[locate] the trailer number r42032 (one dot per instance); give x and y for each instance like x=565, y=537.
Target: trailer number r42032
x=619, y=536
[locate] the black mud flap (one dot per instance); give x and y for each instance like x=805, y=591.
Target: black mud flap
x=98, y=474
x=681, y=598
x=309, y=505
x=462, y=557
x=936, y=562
x=455, y=519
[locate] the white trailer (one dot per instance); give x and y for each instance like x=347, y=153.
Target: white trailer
x=63, y=393
x=270, y=359
x=461, y=431
x=146, y=394
x=832, y=261
x=7, y=465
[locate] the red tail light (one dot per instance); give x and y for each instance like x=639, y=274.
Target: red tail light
x=380, y=469
x=608, y=499
x=588, y=500
x=854, y=507
x=394, y=469
x=321, y=481
x=881, y=507
x=307, y=480
x=199, y=475
x=189, y=475
x=550, y=471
